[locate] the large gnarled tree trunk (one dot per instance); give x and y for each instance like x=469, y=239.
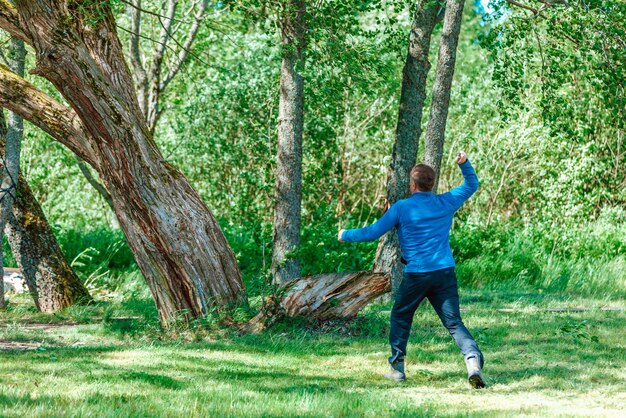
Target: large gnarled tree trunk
x=323, y=297
x=408, y=131
x=438, y=115
x=285, y=261
x=152, y=72
x=176, y=241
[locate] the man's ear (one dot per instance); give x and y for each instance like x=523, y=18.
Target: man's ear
x=412, y=187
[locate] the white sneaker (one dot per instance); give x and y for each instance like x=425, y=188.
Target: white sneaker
x=396, y=372
x=474, y=374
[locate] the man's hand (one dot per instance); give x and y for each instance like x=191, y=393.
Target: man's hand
x=339, y=235
x=460, y=158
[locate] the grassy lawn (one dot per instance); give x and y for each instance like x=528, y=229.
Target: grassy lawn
x=538, y=363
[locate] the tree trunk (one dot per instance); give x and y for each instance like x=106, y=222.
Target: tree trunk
x=3, y=132
x=177, y=242
x=323, y=297
x=150, y=83
x=50, y=279
x=438, y=115
x=285, y=261
x=408, y=131
x=12, y=151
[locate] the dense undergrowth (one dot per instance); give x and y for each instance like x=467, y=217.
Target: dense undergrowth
x=583, y=260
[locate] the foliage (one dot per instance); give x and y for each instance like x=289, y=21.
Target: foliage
x=568, y=64
x=586, y=260
x=548, y=149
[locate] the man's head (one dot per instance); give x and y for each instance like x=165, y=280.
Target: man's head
x=422, y=178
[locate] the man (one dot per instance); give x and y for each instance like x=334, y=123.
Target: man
x=423, y=222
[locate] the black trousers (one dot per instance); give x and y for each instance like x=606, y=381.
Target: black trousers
x=440, y=287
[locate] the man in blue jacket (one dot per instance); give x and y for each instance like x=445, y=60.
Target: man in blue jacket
x=423, y=222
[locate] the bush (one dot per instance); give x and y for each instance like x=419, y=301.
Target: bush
x=584, y=259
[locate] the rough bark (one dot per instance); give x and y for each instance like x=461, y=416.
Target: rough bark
x=51, y=280
x=59, y=121
x=176, y=241
x=150, y=83
x=408, y=131
x=323, y=297
x=287, y=214
x=438, y=115
x=335, y=295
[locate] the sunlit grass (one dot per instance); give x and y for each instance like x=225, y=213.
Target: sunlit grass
x=539, y=363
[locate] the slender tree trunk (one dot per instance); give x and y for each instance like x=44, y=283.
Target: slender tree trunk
x=3, y=132
x=285, y=261
x=12, y=150
x=438, y=115
x=408, y=131
x=176, y=241
x=50, y=279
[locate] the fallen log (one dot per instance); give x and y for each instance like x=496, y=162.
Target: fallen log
x=322, y=297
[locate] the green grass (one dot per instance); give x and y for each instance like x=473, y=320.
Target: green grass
x=538, y=363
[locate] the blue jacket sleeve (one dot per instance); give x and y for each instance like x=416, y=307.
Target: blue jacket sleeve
x=374, y=231
x=459, y=195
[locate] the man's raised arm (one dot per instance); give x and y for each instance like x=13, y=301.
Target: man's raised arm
x=460, y=194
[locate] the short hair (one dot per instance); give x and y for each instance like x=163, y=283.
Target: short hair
x=423, y=177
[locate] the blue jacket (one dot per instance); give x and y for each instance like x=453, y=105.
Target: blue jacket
x=423, y=222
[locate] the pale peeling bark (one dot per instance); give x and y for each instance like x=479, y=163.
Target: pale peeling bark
x=323, y=297
x=176, y=241
x=438, y=115
x=408, y=131
x=287, y=214
x=334, y=295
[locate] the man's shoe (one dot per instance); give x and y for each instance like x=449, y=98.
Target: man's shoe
x=474, y=374
x=396, y=372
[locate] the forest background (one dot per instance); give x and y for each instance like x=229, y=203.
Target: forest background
x=529, y=107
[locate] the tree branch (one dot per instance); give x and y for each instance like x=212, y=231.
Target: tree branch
x=184, y=53
x=536, y=12
x=102, y=191
x=135, y=54
x=164, y=35
x=137, y=6
x=152, y=110
x=61, y=122
x=9, y=21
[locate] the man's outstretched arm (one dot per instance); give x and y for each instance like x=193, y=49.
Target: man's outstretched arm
x=460, y=194
x=374, y=231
